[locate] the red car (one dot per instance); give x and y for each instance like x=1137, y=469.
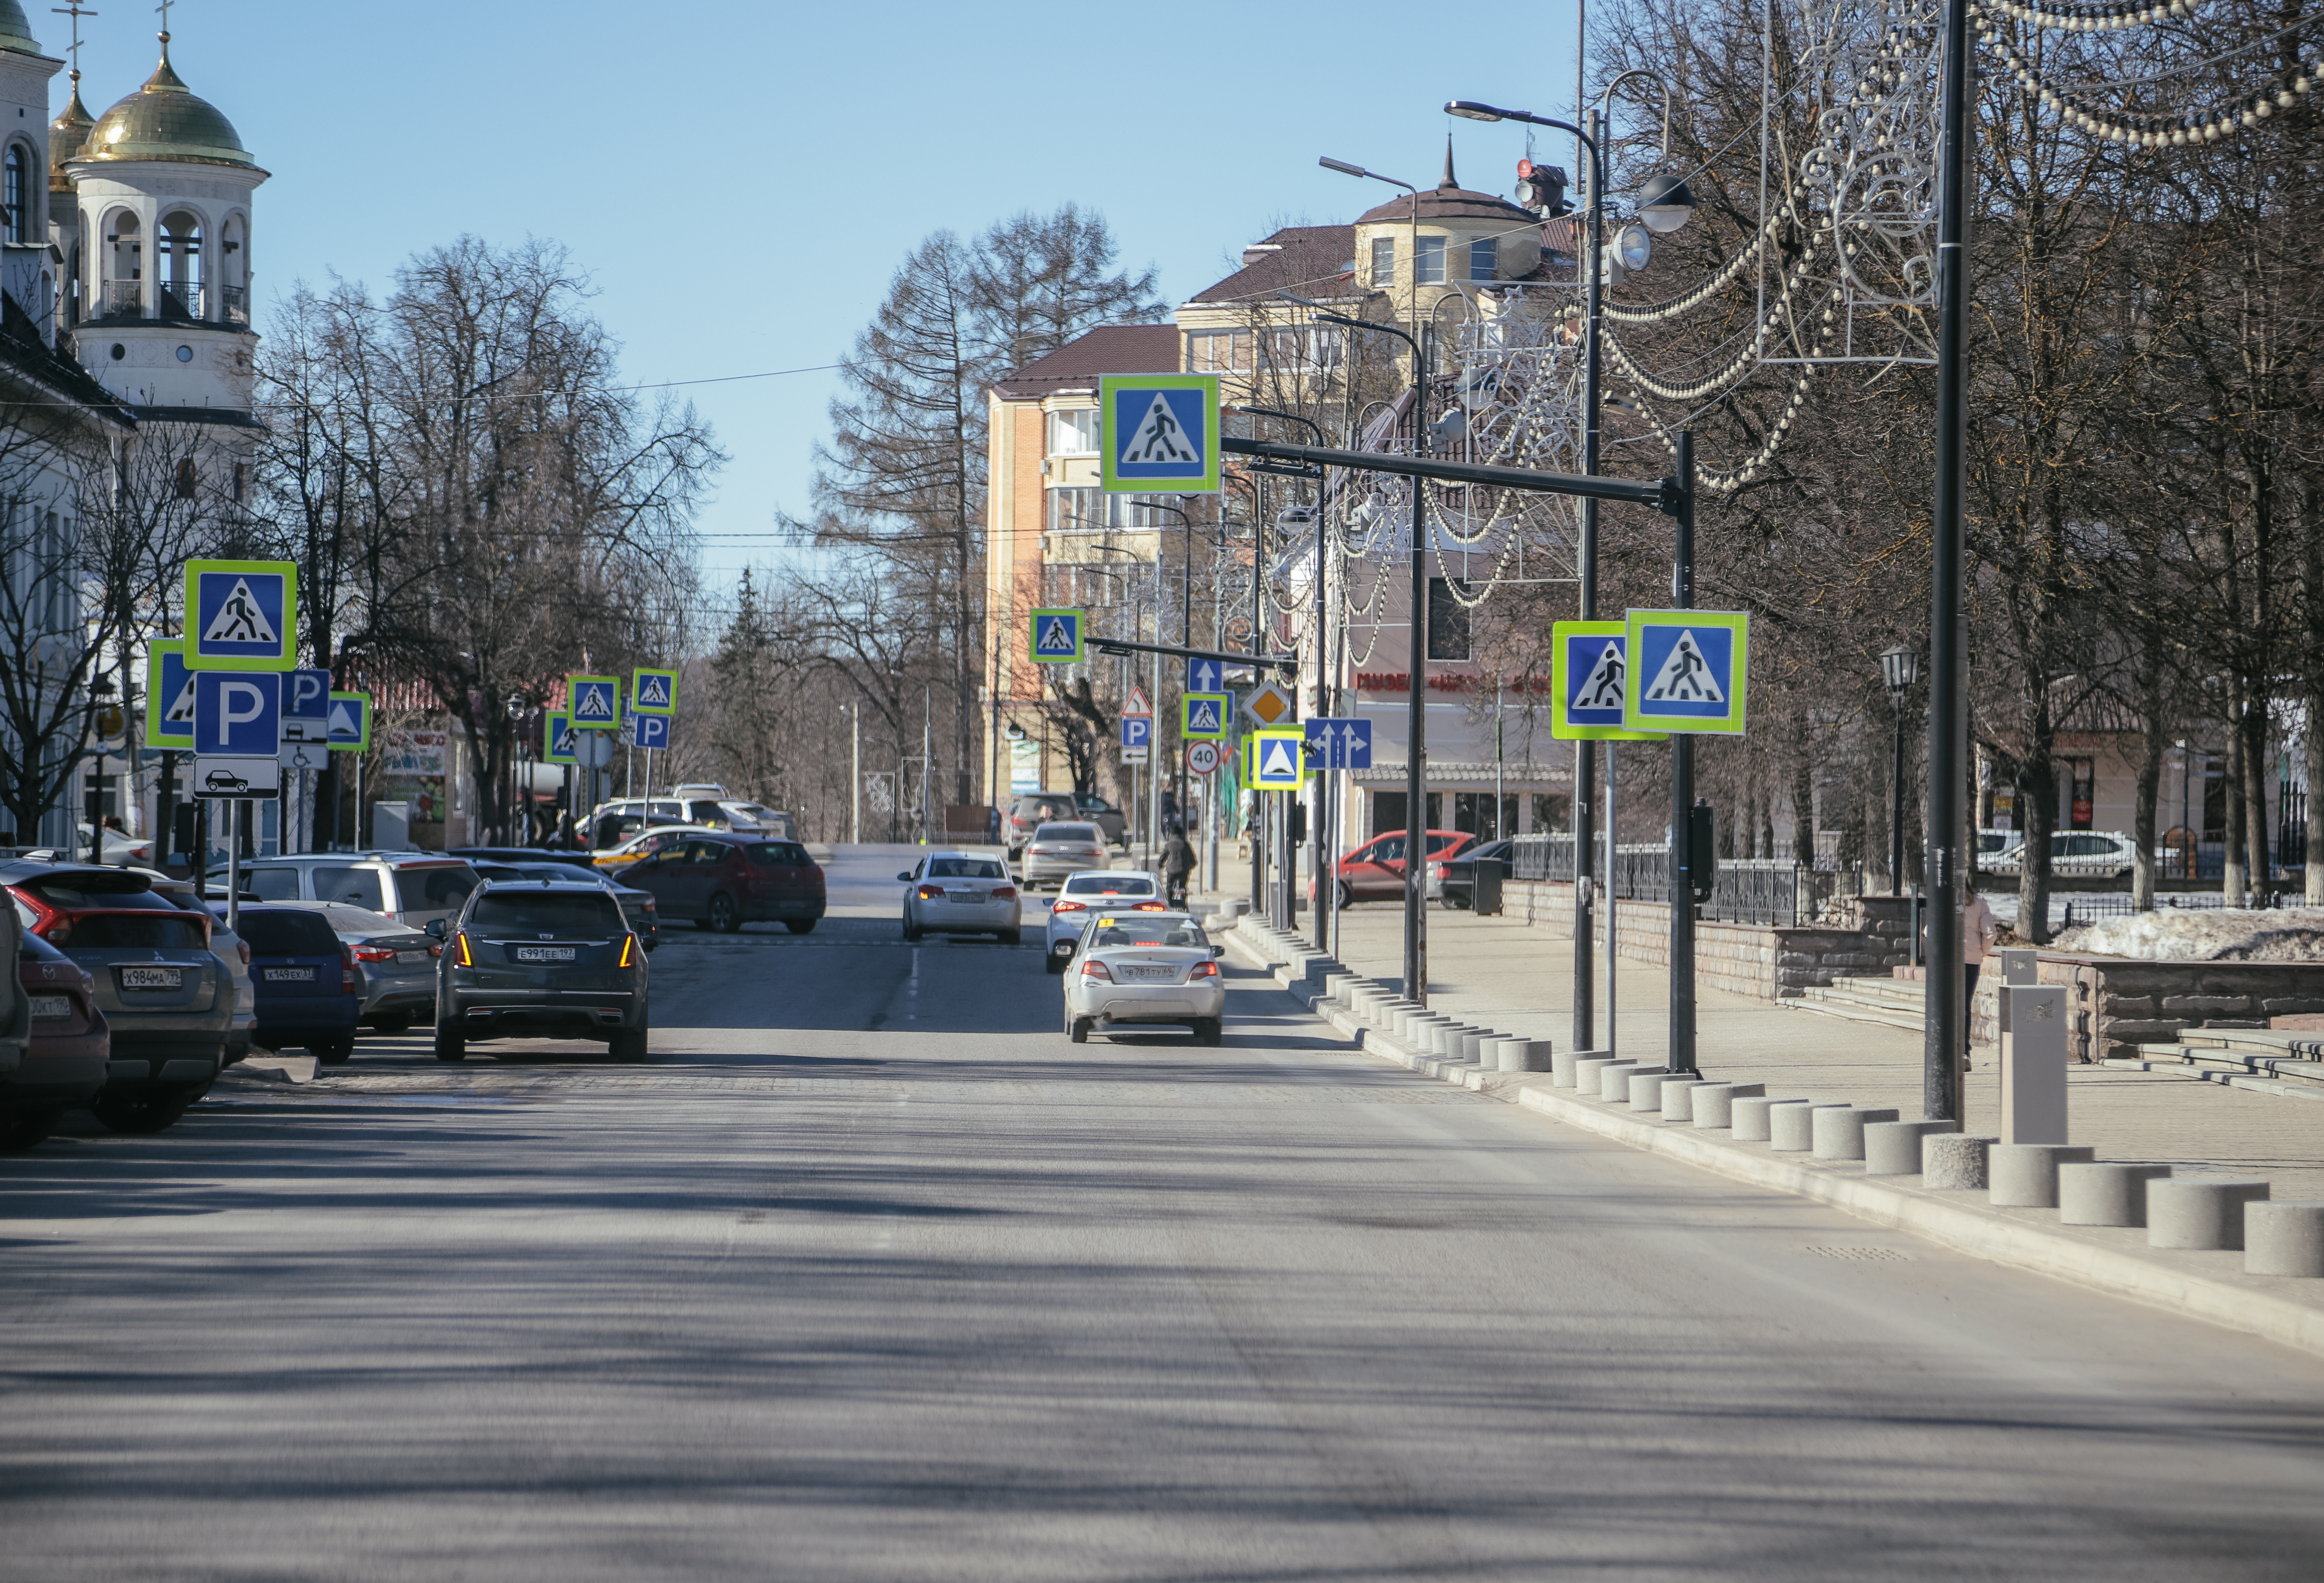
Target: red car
x=64, y=1066
x=1374, y=871
x=722, y=882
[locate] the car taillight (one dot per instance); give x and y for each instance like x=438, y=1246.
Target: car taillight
x=1097, y=969
x=931, y=893
x=243, y=946
x=435, y=950
x=629, y=945
x=1062, y=906
x=1004, y=893
x=1440, y=870
x=1148, y=906
x=347, y=972
x=1203, y=970
x=460, y=945
x=375, y=953
x=48, y=923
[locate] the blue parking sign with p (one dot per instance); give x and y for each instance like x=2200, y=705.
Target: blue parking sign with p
x=652, y=731
x=237, y=715
x=1136, y=730
x=241, y=615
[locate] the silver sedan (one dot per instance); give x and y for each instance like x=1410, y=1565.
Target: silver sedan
x=961, y=893
x=1060, y=851
x=395, y=964
x=1134, y=969
x=1095, y=888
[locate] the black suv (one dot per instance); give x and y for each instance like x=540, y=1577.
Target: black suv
x=541, y=959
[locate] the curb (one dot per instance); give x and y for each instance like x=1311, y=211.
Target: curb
x=1940, y=1216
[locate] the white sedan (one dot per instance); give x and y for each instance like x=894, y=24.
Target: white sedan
x=1137, y=969
x=1099, y=888
x=961, y=893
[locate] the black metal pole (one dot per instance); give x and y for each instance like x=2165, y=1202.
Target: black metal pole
x=1585, y=753
x=1683, y=854
x=1415, y=756
x=1944, y=1028
x=1896, y=808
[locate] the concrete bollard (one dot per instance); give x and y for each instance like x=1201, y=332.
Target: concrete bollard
x=1714, y=1103
x=1561, y=1064
x=1836, y=1132
x=1677, y=1096
x=1953, y=1159
x=1454, y=1040
x=1751, y=1119
x=1524, y=1054
x=2025, y=1176
x=2107, y=1194
x=1614, y=1081
x=1893, y=1148
x=1645, y=1089
x=1472, y=1043
x=2283, y=1239
x=2199, y=1211
x=1790, y=1129
x=1587, y=1069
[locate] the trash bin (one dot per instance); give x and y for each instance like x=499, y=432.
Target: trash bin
x=1486, y=885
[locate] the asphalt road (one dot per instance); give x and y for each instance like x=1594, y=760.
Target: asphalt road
x=870, y=1274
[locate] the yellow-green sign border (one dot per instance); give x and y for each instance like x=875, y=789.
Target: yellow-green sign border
x=1739, y=682
x=1081, y=637
x=286, y=570
x=1559, y=728
x=1297, y=736
x=548, y=753
x=572, y=681
x=1109, y=452
x=1187, y=731
x=362, y=743
x=638, y=676
x=156, y=735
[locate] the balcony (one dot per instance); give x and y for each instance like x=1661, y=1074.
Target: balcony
x=236, y=303
x=125, y=299
x=180, y=299
x=177, y=300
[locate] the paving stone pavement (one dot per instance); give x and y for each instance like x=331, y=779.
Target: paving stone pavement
x=1520, y=980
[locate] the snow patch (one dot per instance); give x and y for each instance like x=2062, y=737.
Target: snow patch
x=2213, y=935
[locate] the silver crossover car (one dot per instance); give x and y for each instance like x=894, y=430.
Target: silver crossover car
x=1131, y=969
x=1095, y=888
x=1058, y=852
x=961, y=893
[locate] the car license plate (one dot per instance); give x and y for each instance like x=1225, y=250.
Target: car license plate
x=1150, y=975
x=971, y=897
x=152, y=978
x=544, y=954
x=305, y=975
x=52, y=1006
x=409, y=956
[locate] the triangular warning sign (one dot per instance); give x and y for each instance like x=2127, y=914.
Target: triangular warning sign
x=1276, y=761
x=1202, y=716
x=1138, y=703
x=1601, y=686
x=1056, y=637
x=1686, y=675
x=343, y=722
x=1158, y=437
x=181, y=713
x=239, y=620
x=654, y=690
x=594, y=705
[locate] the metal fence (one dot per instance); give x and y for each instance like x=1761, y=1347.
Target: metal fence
x=1775, y=892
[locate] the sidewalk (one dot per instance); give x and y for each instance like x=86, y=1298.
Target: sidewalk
x=1519, y=980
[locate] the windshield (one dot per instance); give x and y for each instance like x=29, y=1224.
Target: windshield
x=965, y=868
x=779, y=854
x=546, y=912
x=1081, y=832
x=1150, y=930
x=95, y=891
x=344, y=882
x=437, y=888
x=1108, y=885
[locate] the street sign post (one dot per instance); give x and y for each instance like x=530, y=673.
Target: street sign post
x=595, y=749
x=1688, y=671
x=593, y=703
x=169, y=696
x=1339, y=743
x=1204, y=675
x=1269, y=705
x=1275, y=758
x=653, y=732
x=350, y=721
x=1158, y=431
x=1056, y=637
x=1205, y=714
x=1588, y=662
x=1137, y=731
x=241, y=615
x=306, y=705
x=558, y=741
x=653, y=692
x=1202, y=757
x=237, y=715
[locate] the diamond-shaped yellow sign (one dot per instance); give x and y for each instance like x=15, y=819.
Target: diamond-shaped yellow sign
x=1268, y=705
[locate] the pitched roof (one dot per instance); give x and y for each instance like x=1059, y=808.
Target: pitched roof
x=1075, y=365
x=1311, y=259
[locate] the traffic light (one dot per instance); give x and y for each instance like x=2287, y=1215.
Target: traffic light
x=1542, y=188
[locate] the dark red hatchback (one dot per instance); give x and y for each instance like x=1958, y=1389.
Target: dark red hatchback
x=725, y=882
x=65, y=1064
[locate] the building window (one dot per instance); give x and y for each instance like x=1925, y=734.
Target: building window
x=241, y=481
x=1074, y=434
x=189, y=479
x=1073, y=511
x=17, y=193
x=1428, y=261
x=1309, y=349
x=1448, y=622
x=1218, y=351
x=1383, y=260
x=1485, y=259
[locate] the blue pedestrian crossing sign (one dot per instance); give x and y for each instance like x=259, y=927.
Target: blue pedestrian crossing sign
x=1158, y=431
x=306, y=705
x=169, y=696
x=1587, y=663
x=1058, y=637
x=1275, y=758
x=1340, y=743
x=652, y=731
x=241, y=615
x=1136, y=730
x=1205, y=715
x=595, y=702
x=350, y=722
x=557, y=747
x=237, y=715
x=653, y=692
x=1206, y=676
x=1688, y=671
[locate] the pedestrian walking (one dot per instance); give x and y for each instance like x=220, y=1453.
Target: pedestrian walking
x=1980, y=930
x=1177, y=864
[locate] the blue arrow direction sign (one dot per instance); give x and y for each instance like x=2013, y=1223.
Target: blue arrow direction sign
x=237, y=714
x=169, y=697
x=1159, y=429
x=1688, y=671
x=653, y=692
x=1587, y=666
x=595, y=702
x=1136, y=730
x=1056, y=637
x=1339, y=743
x=653, y=732
x=350, y=721
x=1205, y=715
x=1206, y=676
x=241, y=615
x=560, y=740
x=306, y=705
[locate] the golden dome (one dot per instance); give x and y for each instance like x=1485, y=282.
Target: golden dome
x=16, y=30
x=66, y=133
x=164, y=120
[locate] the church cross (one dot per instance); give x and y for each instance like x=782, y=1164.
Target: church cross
x=76, y=11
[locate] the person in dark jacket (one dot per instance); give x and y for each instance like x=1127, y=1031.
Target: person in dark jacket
x=1177, y=865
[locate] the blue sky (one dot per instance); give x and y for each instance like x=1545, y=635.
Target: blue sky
x=740, y=180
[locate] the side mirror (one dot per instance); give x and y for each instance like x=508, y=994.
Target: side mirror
x=904, y=878
x=1218, y=951
x=437, y=928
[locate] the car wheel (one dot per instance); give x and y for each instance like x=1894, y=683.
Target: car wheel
x=333, y=1051
x=724, y=917
x=911, y=930
x=1210, y=1030
x=1078, y=1030
x=450, y=1045
x=629, y=1044
x=26, y=1129
x=393, y=1022
x=1052, y=965
x=148, y=1112
x=1347, y=897
x=800, y=926
x=1011, y=936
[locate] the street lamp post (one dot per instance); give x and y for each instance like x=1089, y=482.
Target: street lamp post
x=1901, y=667
x=1325, y=844
x=516, y=720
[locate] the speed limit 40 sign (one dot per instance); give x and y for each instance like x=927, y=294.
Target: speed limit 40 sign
x=1202, y=757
